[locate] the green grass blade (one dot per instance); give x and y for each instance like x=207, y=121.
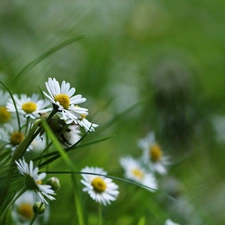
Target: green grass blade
x=55, y=155
x=33, y=63
x=14, y=103
x=58, y=146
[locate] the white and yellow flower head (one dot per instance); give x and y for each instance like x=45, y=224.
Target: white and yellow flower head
x=34, y=180
x=29, y=106
x=100, y=188
x=63, y=99
x=11, y=136
x=153, y=154
x=5, y=115
x=22, y=210
x=135, y=171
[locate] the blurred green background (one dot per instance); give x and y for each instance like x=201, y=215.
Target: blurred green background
x=142, y=65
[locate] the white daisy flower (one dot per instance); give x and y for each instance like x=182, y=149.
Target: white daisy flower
x=71, y=135
x=153, y=154
x=170, y=222
x=11, y=137
x=67, y=104
x=29, y=106
x=100, y=188
x=34, y=180
x=5, y=115
x=22, y=210
x=135, y=171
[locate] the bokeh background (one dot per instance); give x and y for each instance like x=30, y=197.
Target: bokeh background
x=143, y=65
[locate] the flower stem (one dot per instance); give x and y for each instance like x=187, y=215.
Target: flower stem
x=99, y=214
x=77, y=201
x=33, y=219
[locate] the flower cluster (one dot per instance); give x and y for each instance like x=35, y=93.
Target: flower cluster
x=30, y=125
x=23, y=121
x=151, y=162
x=18, y=113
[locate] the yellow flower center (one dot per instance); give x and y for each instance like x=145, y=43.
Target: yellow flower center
x=82, y=116
x=99, y=184
x=38, y=181
x=16, y=138
x=63, y=100
x=26, y=210
x=155, y=152
x=4, y=115
x=138, y=173
x=29, y=107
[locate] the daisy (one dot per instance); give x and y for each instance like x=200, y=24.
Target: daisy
x=11, y=137
x=100, y=188
x=170, y=222
x=34, y=180
x=29, y=106
x=153, y=154
x=63, y=99
x=71, y=135
x=5, y=115
x=22, y=210
x=134, y=171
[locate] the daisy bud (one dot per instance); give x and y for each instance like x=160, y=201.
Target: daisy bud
x=54, y=183
x=39, y=208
